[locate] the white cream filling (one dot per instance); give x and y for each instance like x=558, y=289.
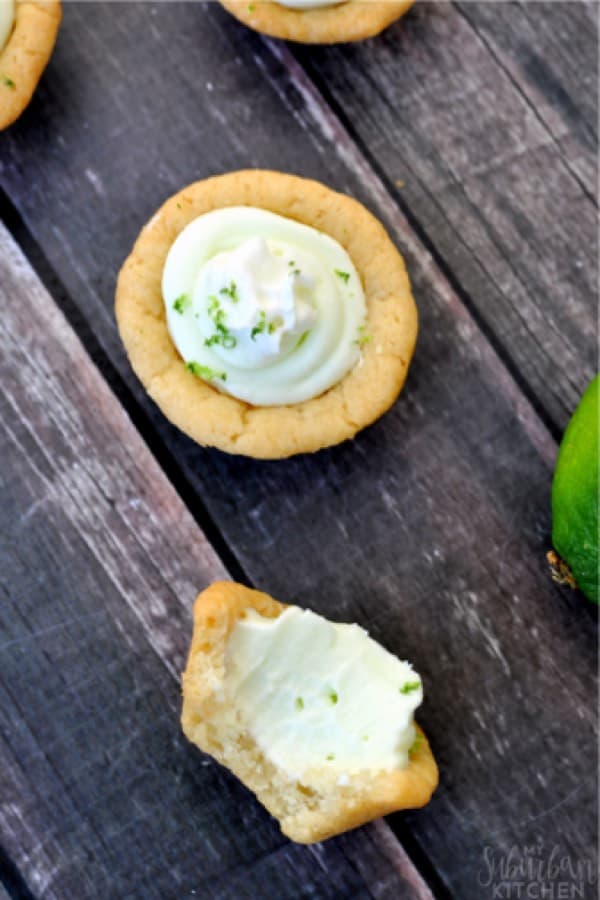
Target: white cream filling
x=267, y=309
x=308, y=4
x=317, y=694
x=7, y=21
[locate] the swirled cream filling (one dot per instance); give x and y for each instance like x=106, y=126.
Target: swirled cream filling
x=7, y=21
x=267, y=309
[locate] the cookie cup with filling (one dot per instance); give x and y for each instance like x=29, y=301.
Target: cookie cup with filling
x=25, y=48
x=269, y=701
x=353, y=20
x=206, y=412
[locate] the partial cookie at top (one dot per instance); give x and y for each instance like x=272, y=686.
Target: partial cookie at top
x=354, y=20
x=26, y=54
x=215, y=419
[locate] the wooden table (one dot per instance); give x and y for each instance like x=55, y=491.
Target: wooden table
x=470, y=129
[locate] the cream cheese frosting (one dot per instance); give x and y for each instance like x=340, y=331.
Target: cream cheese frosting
x=267, y=309
x=318, y=694
x=308, y=4
x=7, y=21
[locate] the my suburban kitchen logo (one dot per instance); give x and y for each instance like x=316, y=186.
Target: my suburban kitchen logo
x=532, y=873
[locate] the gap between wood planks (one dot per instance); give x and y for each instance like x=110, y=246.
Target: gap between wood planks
x=382, y=836
x=12, y=884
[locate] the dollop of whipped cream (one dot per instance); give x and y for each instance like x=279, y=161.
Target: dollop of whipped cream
x=267, y=309
x=320, y=694
x=259, y=305
x=7, y=20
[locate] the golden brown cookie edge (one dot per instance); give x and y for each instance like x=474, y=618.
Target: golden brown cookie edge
x=355, y=20
x=279, y=431
x=26, y=54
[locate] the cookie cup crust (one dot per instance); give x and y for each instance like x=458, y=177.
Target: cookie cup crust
x=354, y=20
x=215, y=419
x=25, y=55
x=306, y=813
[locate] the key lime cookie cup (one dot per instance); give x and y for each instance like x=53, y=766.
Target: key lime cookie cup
x=201, y=408
x=313, y=716
x=28, y=30
x=353, y=20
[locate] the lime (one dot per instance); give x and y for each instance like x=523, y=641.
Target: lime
x=575, y=499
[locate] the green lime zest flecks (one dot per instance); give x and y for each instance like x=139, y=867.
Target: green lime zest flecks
x=231, y=292
x=260, y=327
x=205, y=372
x=263, y=326
x=216, y=313
x=409, y=687
x=345, y=276
x=418, y=741
x=363, y=338
x=181, y=303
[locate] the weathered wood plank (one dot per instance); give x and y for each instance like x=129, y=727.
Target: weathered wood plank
x=551, y=56
x=486, y=116
x=431, y=527
x=100, y=561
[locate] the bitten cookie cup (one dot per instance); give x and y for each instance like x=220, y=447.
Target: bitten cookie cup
x=26, y=54
x=312, y=807
x=354, y=20
x=213, y=418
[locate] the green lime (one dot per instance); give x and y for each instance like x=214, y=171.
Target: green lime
x=575, y=498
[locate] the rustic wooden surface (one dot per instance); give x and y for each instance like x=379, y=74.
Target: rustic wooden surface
x=487, y=137
x=100, y=559
x=430, y=528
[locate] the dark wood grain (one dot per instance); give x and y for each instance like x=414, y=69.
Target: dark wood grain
x=100, y=561
x=550, y=54
x=431, y=528
x=483, y=120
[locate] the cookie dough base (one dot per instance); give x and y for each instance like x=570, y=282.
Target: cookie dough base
x=26, y=54
x=215, y=419
x=307, y=812
x=353, y=20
